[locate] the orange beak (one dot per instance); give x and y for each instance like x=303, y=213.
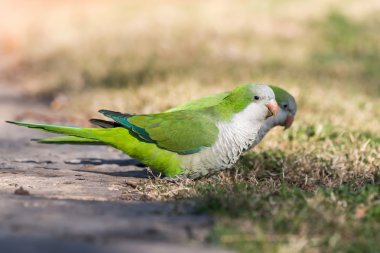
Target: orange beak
x=272, y=107
x=289, y=121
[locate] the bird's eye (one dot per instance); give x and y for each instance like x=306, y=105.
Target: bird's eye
x=256, y=97
x=285, y=106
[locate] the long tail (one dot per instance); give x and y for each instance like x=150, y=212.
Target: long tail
x=161, y=160
x=76, y=135
x=70, y=140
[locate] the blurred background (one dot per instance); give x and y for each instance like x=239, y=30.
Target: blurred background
x=68, y=59
x=146, y=56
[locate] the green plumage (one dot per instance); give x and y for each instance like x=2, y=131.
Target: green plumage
x=181, y=132
x=158, y=140
x=185, y=131
x=208, y=101
x=201, y=103
x=197, y=104
x=70, y=140
x=162, y=160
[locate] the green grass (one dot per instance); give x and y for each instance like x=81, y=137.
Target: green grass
x=348, y=49
x=290, y=219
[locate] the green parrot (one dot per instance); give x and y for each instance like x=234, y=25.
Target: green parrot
x=285, y=116
x=193, y=142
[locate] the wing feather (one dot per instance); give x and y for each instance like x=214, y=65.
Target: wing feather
x=183, y=132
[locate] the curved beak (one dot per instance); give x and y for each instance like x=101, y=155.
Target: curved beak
x=272, y=107
x=289, y=121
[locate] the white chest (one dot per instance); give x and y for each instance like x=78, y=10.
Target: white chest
x=235, y=137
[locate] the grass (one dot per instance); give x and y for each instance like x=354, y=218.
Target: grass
x=312, y=188
x=291, y=220
x=298, y=200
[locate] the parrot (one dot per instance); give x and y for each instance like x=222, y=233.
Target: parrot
x=191, y=142
x=285, y=116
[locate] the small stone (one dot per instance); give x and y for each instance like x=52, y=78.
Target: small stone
x=132, y=184
x=74, y=161
x=21, y=191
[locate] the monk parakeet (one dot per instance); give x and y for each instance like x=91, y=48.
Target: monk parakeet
x=192, y=142
x=285, y=116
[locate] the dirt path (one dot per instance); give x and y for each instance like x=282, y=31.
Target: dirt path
x=78, y=198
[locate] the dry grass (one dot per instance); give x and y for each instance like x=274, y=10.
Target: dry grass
x=309, y=189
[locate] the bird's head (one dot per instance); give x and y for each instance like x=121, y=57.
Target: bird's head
x=263, y=96
x=254, y=102
x=287, y=107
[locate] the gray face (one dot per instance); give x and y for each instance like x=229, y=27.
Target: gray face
x=289, y=106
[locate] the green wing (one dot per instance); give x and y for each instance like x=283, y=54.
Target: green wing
x=192, y=105
x=201, y=103
x=183, y=132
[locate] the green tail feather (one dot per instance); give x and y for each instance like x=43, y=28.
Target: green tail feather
x=70, y=140
x=76, y=135
x=88, y=133
x=163, y=161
